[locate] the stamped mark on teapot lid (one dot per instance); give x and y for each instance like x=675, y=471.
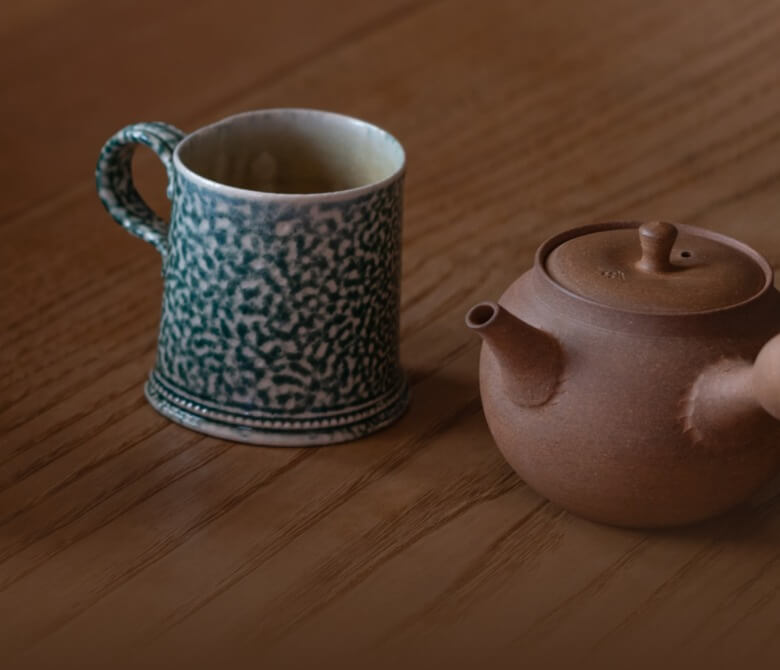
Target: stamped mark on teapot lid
x=657, y=267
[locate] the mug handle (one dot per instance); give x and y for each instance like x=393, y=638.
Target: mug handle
x=114, y=178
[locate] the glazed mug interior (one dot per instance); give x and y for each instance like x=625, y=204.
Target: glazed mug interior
x=291, y=151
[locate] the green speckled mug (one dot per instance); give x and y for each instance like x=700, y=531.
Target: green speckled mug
x=281, y=266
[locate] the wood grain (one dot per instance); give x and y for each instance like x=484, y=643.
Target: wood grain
x=126, y=541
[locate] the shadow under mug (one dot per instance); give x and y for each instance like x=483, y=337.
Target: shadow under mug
x=281, y=267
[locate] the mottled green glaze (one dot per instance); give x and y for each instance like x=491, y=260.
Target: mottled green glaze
x=280, y=312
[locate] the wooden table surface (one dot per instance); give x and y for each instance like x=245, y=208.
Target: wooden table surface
x=127, y=540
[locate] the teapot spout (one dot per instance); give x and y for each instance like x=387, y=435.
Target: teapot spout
x=530, y=359
x=733, y=401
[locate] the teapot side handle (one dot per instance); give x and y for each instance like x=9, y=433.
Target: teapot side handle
x=765, y=377
x=732, y=402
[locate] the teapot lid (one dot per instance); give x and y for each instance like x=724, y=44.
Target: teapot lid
x=657, y=268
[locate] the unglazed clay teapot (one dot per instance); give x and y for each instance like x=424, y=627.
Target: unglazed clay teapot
x=627, y=376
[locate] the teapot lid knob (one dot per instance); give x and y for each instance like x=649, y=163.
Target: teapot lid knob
x=657, y=239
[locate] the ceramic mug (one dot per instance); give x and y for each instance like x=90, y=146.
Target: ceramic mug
x=281, y=267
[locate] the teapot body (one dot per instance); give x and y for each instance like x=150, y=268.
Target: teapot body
x=616, y=442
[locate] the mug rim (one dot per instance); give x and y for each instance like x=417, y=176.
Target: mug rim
x=235, y=191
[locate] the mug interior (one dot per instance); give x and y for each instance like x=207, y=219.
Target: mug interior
x=294, y=151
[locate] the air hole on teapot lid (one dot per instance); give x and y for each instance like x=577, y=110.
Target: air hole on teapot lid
x=685, y=254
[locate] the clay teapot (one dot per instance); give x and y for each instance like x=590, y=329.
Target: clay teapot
x=630, y=375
